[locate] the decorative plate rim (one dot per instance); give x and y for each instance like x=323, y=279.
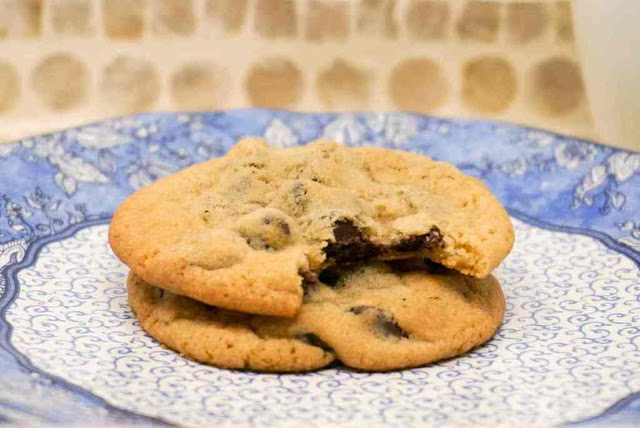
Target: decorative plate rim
x=9, y=271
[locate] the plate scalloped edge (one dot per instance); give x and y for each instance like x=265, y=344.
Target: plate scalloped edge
x=595, y=183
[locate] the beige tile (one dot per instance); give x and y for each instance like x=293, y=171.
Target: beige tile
x=124, y=19
x=275, y=82
x=276, y=19
x=375, y=18
x=479, y=21
x=71, y=17
x=564, y=21
x=61, y=81
x=9, y=86
x=129, y=85
x=489, y=84
x=198, y=86
x=20, y=19
x=227, y=15
x=418, y=84
x=327, y=20
x=556, y=87
x=173, y=17
x=427, y=19
x=526, y=21
x=343, y=86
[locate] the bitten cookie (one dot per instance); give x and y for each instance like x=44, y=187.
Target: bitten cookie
x=371, y=317
x=244, y=231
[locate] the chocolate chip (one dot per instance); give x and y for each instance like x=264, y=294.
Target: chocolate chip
x=257, y=243
x=313, y=340
x=435, y=268
x=415, y=243
x=329, y=277
x=426, y=241
x=383, y=322
x=299, y=193
x=206, y=215
x=350, y=246
x=405, y=265
x=345, y=232
x=308, y=276
x=285, y=228
x=279, y=222
x=435, y=239
x=388, y=326
x=360, y=309
x=309, y=281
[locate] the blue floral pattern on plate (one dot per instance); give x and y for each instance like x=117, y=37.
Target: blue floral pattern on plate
x=568, y=351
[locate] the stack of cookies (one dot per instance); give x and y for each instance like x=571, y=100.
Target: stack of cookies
x=289, y=259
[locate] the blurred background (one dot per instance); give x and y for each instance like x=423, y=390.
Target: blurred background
x=65, y=62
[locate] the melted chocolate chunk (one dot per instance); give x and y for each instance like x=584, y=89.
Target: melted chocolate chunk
x=426, y=241
x=426, y=265
x=329, y=277
x=388, y=326
x=383, y=322
x=313, y=340
x=435, y=268
x=350, y=246
x=345, y=231
x=405, y=265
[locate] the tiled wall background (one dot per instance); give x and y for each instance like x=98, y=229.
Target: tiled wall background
x=64, y=62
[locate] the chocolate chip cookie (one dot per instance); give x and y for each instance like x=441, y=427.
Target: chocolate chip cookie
x=245, y=231
x=379, y=316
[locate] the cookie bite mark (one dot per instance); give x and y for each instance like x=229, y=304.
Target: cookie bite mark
x=425, y=241
x=351, y=245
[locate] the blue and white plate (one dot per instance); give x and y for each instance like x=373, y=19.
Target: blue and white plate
x=72, y=352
